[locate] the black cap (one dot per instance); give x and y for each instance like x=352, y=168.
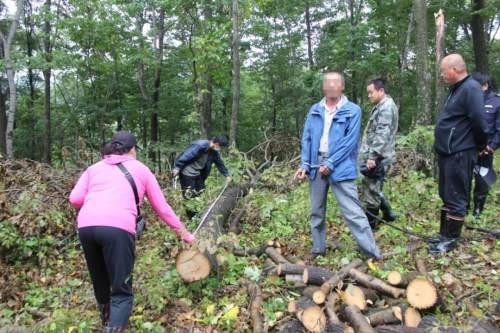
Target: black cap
x=125, y=139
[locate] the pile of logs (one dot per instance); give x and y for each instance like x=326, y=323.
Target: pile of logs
x=346, y=300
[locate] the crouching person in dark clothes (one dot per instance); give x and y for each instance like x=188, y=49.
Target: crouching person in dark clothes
x=194, y=165
x=459, y=136
x=491, y=112
x=106, y=199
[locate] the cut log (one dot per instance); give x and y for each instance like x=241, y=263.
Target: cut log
x=371, y=295
x=316, y=275
x=386, y=316
x=284, y=269
x=335, y=328
x=294, y=279
x=334, y=281
x=296, y=260
x=255, y=307
x=357, y=320
x=276, y=256
x=421, y=294
x=412, y=317
x=190, y=266
x=257, y=251
x=397, y=279
x=309, y=291
x=310, y=315
x=353, y=295
x=398, y=329
x=292, y=307
x=376, y=284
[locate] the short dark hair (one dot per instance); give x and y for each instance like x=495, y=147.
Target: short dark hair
x=221, y=140
x=379, y=83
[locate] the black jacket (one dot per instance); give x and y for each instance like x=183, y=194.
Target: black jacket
x=461, y=124
x=195, y=151
x=492, y=118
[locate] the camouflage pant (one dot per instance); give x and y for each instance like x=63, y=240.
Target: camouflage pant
x=371, y=190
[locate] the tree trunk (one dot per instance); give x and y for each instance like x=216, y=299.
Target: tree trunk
x=47, y=73
x=3, y=121
x=28, y=23
x=478, y=37
x=309, y=36
x=236, y=75
x=391, y=315
x=439, y=18
x=424, y=114
x=157, y=81
x=9, y=68
x=197, y=263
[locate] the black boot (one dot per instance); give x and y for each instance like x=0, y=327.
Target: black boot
x=385, y=207
x=443, y=228
x=449, y=241
x=372, y=216
x=104, y=313
x=479, y=206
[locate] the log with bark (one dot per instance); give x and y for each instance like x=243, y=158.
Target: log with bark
x=357, y=320
x=392, y=315
x=376, y=284
x=292, y=325
x=276, y=256
x=199, y=261
x=398, y=329
x=316, y=275
x=256, y=307
x=334, y=281
x=353, y=295
x=397, y=279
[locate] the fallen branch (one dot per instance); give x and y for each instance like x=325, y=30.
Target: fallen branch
x=376, y=284
x=255, y=295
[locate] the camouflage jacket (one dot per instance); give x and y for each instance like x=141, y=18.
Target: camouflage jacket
x=379, y=137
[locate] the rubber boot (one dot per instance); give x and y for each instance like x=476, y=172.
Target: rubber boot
x=372, y=215
x=478, y=206
x=385, y=207
x=104, y=313
x=449, y=241
x=443, y=228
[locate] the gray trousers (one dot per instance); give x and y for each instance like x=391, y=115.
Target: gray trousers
x=346, y=194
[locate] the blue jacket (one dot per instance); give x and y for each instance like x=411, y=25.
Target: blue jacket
x=195, y=151
x=342, y=143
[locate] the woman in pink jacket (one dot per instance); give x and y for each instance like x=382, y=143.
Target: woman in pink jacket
x=107, y=224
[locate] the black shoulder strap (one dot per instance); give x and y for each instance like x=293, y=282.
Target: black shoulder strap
x=132, y=183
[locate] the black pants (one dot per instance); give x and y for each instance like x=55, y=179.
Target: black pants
x=455, y=178
x=192, y=186
x=481, y=189
x=110, y=255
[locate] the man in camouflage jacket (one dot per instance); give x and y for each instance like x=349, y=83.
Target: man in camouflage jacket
x=377, y=152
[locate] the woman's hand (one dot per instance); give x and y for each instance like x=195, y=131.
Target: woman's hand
x=185, y=235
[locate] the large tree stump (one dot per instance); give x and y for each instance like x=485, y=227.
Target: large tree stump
x=357, y=320
x=255, y=307
x=376, y=284
x=200, y=260
x=334, y=281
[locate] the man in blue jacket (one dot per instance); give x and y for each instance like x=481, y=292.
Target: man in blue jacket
x=194, y=165
x=329, y=158
x=458, y=137
x=491, y=112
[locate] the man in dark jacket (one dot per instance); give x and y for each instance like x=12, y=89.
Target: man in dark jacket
x=194, y=165
x=459, y=136
x=491, y=113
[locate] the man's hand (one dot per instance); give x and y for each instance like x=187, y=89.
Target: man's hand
x=229, y=179
x=370, y=164
x=324, y=170
x=300, y=174
x=487, y=151
x=175, y=173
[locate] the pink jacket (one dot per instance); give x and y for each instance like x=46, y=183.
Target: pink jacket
x=105, y=197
